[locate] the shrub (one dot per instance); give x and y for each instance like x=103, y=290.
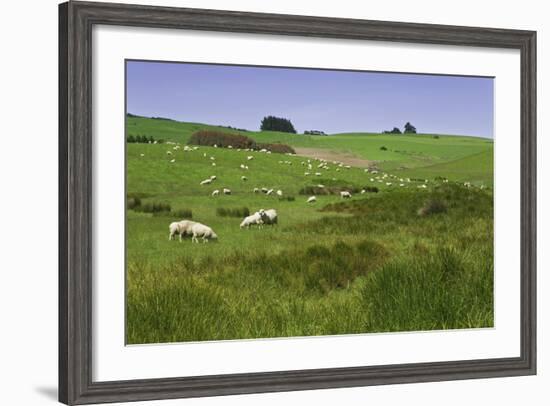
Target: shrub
x=436, y=137
x=276, y=148
x=221, y=139
x=432, y=206
x=383, y=148
x=133, y=202
x=233, y=212
x=370, y=189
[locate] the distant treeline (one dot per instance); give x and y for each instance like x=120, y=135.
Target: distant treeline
x=408, y=128
x=142, y=139
x=225, y=140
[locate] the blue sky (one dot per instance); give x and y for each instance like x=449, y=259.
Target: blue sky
x=328, y=100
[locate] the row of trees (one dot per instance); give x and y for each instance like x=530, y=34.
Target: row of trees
x=407, y=129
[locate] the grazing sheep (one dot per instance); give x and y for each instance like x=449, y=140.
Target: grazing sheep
x=268, y=216
x=202, y=231
x=256, y=190
x=250, y=157
x=142, y=155
x=279, y=192
x=270, y=191
x=312, y=199
x=169, y=152
x=244, y=178
x=181, y=228
x=264, y=190
x=363, y=191
x=215, y=192
x=226, y=191
x=172, y=161
x=206, y=181
x=253, y=220
x=320, y=185
x=344, y=194
x=213, y=177
x=317, y=174
x=306, y=173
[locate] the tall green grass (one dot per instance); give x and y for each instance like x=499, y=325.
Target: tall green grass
x=369, y=265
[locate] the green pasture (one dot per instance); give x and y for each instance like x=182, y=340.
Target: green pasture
x=367, y=264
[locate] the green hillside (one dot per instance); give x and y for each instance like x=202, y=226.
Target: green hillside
x=375, y=262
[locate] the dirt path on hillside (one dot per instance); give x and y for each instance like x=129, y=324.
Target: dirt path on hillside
x=346, y=158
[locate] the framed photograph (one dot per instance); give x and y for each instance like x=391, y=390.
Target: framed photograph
x=260, y=202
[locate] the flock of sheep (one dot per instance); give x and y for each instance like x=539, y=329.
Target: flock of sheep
x=197, y=230
x=262, y=217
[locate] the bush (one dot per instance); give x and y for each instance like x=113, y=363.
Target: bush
x=432, y=206
x=370, y=189
x=221, y=139
x=383, y=148
x=436, y=137
x=233, y=212
x=133, y=202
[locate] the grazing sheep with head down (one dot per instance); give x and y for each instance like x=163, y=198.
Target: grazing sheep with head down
x=206, y=181
x=312, y=199
x=215, y=192
x=199, y=230
x=181, y=228
x=226, y=191
x=345, y=194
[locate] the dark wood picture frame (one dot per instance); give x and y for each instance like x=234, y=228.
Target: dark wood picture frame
x=76, y=20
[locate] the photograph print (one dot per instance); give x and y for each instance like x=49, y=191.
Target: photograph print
x=272, y=202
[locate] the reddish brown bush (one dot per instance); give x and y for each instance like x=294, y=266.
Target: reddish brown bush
x=221, y=139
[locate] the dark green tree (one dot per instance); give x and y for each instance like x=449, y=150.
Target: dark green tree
x=272, y=123
x=409, y=128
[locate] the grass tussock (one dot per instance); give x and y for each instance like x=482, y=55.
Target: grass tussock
x=233, y=212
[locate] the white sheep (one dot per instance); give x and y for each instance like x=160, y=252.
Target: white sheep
x=269, y=216
x=226, y=191
x=181, y=228
x=270, y=191
x=202, y=231
x=279, y=192
x=206, y=182
x=172, y=161
x=264, y=190
x=244, y=178
x=256, y=190
x=250, y=157
x=312, y=199
x=253, y=220
x=317, y=174
x=213, y=177
x=215, y=192
x=344, y=194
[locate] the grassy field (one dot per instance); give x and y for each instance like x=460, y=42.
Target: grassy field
x=368, y=264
